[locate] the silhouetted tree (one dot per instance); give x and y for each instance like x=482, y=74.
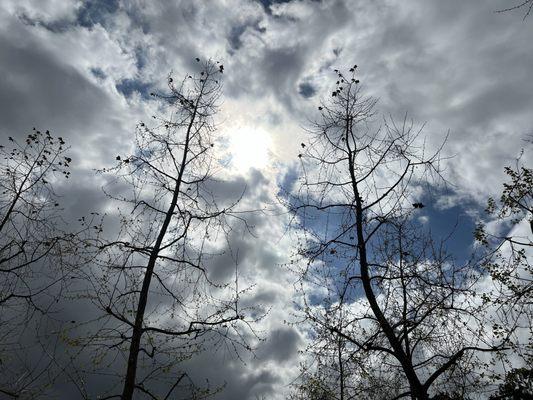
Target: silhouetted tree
x=518, y=385
x=160, y=303
x=373, y=275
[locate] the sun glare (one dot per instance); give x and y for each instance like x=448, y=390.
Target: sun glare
x=249, y=148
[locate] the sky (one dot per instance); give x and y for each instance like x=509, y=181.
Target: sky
x=84, y=70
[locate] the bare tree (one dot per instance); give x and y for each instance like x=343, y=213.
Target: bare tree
x=32, y=245
x=372, y=274
x=160, y=304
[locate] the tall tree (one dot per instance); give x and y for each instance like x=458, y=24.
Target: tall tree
x=153, y=283
x=373, y=275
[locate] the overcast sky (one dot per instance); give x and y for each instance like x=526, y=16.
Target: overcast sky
x=84, y=70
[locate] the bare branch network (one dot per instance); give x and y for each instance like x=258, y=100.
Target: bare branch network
x=376, y=289
x=389, y=313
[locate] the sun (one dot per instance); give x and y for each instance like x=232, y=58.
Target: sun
x=249, y=148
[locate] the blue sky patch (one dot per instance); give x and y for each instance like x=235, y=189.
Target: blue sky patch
x=98, y=73
x=128, y=86
x=94, y=12
x=454, y=226
x=267, y=3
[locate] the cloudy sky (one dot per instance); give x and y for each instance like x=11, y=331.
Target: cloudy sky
x=84, y=70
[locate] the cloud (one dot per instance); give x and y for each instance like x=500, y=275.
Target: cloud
x=83, y=70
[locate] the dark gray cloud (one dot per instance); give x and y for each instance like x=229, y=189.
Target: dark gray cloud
x=40, y=89
x=281, y=345
x=307, y=90
x=236, y=31
x=244, y=383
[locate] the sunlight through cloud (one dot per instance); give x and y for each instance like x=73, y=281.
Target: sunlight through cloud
x=249, y=148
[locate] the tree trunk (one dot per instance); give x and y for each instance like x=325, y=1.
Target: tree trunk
x=131, y=372
x=401, y=356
